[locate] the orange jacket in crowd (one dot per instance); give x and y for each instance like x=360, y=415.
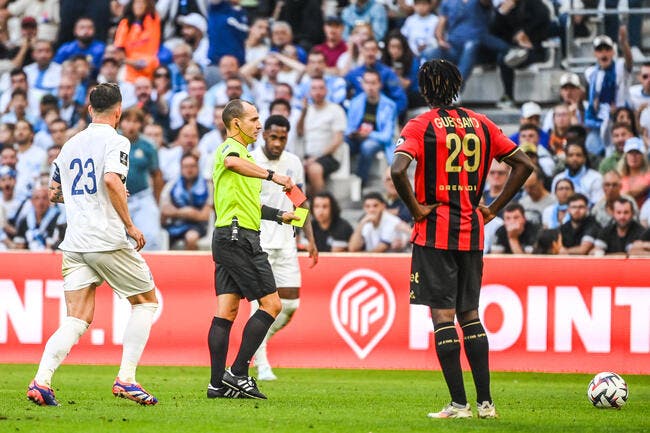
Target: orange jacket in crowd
x=140, y=42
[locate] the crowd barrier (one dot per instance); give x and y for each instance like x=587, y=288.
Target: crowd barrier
x=541, y=314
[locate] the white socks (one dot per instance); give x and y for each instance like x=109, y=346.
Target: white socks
x=58, y=347
x=289, y=306
x=135, y=338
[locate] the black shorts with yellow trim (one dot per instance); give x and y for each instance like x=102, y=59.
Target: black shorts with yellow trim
x=446, y=279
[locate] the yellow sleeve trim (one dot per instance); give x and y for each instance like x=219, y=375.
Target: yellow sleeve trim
x=510, y=154
x=405, y=154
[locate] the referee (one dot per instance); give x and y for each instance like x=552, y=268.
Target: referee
x=242, y=268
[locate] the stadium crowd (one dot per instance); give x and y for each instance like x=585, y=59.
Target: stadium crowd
x=344, y=74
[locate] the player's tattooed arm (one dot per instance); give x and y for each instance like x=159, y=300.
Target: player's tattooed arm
x=56, y=193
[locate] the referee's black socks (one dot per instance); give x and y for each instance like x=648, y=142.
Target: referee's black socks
x=218, y=339
x=476, y=348
x=448, y=351
x=254, y=332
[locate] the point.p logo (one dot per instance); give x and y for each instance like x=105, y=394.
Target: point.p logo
x=362, y=309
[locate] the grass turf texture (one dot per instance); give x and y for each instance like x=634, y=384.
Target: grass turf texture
x=312, y=401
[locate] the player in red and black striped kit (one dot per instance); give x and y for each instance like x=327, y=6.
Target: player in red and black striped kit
x=454, y=148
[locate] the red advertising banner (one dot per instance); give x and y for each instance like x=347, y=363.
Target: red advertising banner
x=541, y=313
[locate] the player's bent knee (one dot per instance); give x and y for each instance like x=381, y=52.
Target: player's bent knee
x=144, y=298
x=271, y=304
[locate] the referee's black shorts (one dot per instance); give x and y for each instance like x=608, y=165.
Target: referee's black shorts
x=446, y=279
x=241, y=267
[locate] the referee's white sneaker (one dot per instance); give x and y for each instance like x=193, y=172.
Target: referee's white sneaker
x=265, y=372
x=453, y=410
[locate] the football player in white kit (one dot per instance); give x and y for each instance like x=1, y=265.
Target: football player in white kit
x=278, y=240
x=89, y=177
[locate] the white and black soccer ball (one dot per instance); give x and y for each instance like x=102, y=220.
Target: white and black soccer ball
x=607, y=390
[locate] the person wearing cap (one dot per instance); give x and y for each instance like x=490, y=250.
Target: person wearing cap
x=45, y=12
x=378, y=229
x=620, y=133
x=334, y=45
x=84, y=43
x=370, y=11
x=531, y=113
x=573, y=95
x=608, y=83
x=194, y=30
x=634, y=170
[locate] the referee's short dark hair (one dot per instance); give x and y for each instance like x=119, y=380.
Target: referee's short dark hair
x=233, y=109
x=105, y=96
x=277, y=120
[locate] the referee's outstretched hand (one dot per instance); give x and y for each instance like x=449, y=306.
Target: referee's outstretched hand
x=137, y=236
x=287, y=217
x=285, y=181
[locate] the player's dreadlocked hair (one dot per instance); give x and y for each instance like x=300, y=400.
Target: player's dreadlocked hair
x=439, y=82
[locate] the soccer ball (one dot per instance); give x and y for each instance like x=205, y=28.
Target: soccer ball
x=607, y=390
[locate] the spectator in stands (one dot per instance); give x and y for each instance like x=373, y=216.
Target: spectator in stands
x=537, y=197
x=227, y=30
x=548, y=242
x=43, y=74
x=391, y=85
x=18, y=80
x=378, y=230
x=331, y=232
x=138, y=34
x=54, y=134
x=84, y=44
x=19, y=52
x=460, y=29
x=306, y=20
x=334, y=45
x=257, y=43
x=181, y=61
x=17, y=108
x=144, y=181
x=317, y=68
x=170, y=158
x=581, y=231
x=6, y=135
x=209, y=142
x=586, y=180
x=171, y=10
x=155, y=110
x=185, y=204
x=44, y=12
x=369, y=11
x=528, y=139
x=196, y=89
x=633, y=22
x=572, y=94
x=531, y=113
x=71, y=10
x=371, y=124
x=352, y=57
x=31, y=159
x=496, y=180
x=420, y=28
x=155, y=134
x=641, y=247
x=618, y=237
x=162, y=89
x=108, y=73
x=635, y=175
x=608, y=84
x=556, y=215
x=516, y=235
x=36, y=229
x=523, y=25
x=282, y=37
x=263, y=89
x=69, y=109
x=394, y=204
x=322, y=125
x=621, y=132
x=398, y=56
x=640, y=93
x=626, y=115
x=561, y=122
x=10, y=204
x=603, y=211
x=188, y=110
x=194, y=30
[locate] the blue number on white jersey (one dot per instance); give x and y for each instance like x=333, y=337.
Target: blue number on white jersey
x=89, y=167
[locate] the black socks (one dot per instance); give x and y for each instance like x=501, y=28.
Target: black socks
x=448, y=351
x=254, y=332
x=218, y=338
x=476, y=348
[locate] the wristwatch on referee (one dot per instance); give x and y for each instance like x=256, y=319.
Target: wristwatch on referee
x=270, y=176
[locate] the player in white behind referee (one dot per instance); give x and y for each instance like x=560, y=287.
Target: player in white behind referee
x=89, y=177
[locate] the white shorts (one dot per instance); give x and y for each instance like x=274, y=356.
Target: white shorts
x=284, y=263
x=124, y=270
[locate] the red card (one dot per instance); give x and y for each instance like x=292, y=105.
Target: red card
x=296, y=196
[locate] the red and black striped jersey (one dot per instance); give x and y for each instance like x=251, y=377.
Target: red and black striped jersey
x=454, y=148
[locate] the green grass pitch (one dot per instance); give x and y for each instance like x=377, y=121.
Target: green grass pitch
x=302, y=400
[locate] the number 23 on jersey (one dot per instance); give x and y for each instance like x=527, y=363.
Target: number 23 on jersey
x=84, y=181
